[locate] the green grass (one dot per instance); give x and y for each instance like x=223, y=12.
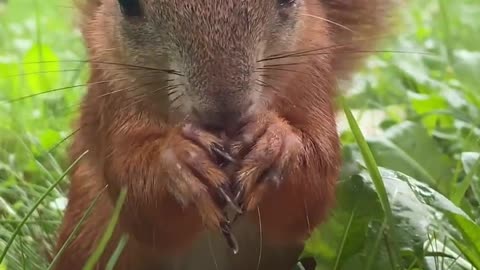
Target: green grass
x=409, y=197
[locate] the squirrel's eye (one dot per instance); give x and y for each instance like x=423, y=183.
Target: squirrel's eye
x=130, y=8
x=286, y=3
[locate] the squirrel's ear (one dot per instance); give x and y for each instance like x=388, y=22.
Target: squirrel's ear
x=367, y=21
x=131, y=8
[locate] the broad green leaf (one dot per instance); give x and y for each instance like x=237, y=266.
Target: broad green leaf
x=471, y=166
x=9, y=88
x=469, y=253
x=41, y=67
x=49, y=138
x=425, y=104
x=470, y=160
x=467, y=64
x=408, y=148
x=470, y=238
x=370, y=163
x=418, y=211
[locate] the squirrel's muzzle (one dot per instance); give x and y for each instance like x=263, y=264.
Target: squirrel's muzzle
x=221, y=89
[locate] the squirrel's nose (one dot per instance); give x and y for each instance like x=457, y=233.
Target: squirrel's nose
x=218, y=119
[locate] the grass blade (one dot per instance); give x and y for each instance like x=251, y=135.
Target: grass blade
x=471, y=255
x=370, y=162
x=465, y=184
x=34, y=207
x=118, y=251
x=374, y=174
x=376, y=245
x=90, y=265
x=344, y=240
x=72, y=236
x=470, y=238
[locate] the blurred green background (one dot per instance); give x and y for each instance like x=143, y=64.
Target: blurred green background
x=419, y=114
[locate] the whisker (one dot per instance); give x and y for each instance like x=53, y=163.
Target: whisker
x=329, y=47
x=377, y=51
x=58, y=90
x=171, y=92
x=329, y=21
x=176, y=107
x=177, y=98
x=276, y=91
x=271, y=78
x=261, y=83
x=143, y=95
x=261, y=238
x=126, y=89
x=72, y=87
x=212, y=252
x=42, y=72
x=169, y=71
x=50, y=151
x=281, y=69
x=135, y=102
x=42, y=93
x=287, y=53
x=307, y=217
x=170, y=87
x=71, y=70
x=285, y=64
x=351, y=52
x=265, y=84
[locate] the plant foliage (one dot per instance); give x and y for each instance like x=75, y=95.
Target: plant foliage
x=409, y=195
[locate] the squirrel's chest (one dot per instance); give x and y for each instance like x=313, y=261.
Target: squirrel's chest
x=211, y=251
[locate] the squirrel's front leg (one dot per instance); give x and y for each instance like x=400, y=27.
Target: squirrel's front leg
x=287, y=176
x=175, y=186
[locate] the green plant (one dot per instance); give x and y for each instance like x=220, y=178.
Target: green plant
x=409, y=195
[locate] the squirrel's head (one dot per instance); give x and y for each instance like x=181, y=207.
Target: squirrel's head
x=219, y=57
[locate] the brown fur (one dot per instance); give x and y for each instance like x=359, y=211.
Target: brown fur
x=138, y=139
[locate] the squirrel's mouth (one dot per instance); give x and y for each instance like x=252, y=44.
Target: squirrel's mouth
x=221, y=118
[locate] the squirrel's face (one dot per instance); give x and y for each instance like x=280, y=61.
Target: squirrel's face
x=218, y=47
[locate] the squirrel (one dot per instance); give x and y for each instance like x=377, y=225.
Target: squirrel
x=199, y=107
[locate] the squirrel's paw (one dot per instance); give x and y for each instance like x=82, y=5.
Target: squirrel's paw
x=192, y=160
x=266, y=147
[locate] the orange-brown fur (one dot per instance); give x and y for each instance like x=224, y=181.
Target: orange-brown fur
x=137, y=147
